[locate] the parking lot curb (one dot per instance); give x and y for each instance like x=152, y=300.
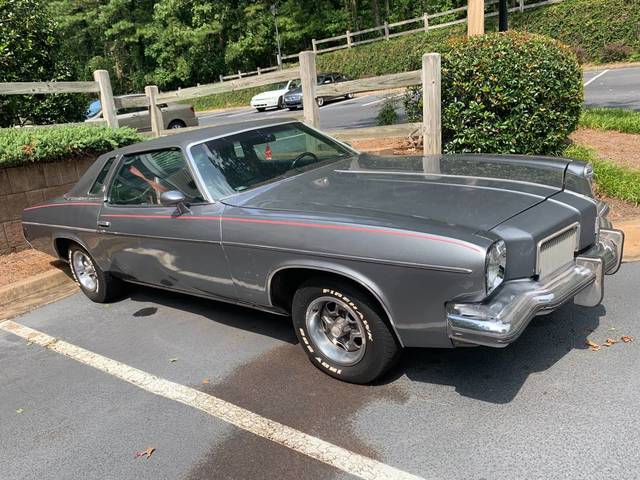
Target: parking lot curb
x=38, y=283
x=631, y=229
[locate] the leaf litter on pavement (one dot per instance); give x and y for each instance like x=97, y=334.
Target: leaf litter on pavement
x=594, y=347
x=145, y=453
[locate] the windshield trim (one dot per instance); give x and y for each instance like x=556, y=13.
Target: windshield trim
x=200, y=181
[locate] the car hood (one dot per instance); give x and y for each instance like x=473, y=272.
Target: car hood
x=295, y=91
x=477, y=192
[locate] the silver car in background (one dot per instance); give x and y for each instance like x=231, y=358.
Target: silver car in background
x=174, y=115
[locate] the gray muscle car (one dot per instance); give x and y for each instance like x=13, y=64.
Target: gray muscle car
x=367, y=254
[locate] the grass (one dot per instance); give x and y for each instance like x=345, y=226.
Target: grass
x=19, y=146
x=625, y=121
x=611, y=180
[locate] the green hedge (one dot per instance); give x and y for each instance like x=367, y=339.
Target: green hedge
x=611, y=180
x=239, y=98
x=506, y=93
x=600, y=30
x=46, y=144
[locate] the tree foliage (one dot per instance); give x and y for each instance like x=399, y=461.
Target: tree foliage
x=175, y=43
x=30, y=51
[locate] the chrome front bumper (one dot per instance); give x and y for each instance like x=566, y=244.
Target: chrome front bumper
x=500, y=320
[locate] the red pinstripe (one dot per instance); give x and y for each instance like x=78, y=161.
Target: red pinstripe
x=322, y=226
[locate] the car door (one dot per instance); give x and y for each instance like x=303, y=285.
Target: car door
x=134, y=117
x=156, y=244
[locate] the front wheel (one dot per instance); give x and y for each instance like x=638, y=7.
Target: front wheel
x=99, y=286
x=343, y=331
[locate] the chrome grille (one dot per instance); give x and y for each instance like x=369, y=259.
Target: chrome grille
x=557, y=251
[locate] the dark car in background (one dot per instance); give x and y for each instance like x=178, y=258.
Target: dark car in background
x=174, y=115
x=293, y=98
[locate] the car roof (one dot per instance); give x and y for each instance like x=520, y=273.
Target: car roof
x=182, y=140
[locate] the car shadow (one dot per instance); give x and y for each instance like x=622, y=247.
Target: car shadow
x=493, y=375
x=497, y=375
x=261, y=323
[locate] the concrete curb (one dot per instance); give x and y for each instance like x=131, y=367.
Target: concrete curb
x=631, y=229
x=38, y=283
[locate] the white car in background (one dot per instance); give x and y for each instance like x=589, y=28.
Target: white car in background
x=273, y=98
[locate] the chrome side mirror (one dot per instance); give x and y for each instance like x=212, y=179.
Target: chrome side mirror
x=175, y=198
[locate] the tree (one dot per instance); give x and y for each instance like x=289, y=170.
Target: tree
x=30, y=51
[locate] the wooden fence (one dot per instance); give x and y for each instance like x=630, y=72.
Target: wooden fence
x=421, y=24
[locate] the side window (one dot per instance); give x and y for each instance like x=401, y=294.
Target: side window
x=143, y=177
x=98, y=186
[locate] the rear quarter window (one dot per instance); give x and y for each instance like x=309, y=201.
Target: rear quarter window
x=98, y=186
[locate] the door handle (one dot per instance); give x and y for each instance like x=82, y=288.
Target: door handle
x=104, y=224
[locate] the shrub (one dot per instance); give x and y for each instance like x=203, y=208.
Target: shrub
x=47, y=144
x=387, y=114
x=615, y=52
x=237, y=98
x=506, y=93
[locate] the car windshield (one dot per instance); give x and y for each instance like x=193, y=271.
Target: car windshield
x=93, y=109
x=262, y=155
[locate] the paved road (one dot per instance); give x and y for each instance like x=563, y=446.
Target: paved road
x=543, y=408
x=612, y=88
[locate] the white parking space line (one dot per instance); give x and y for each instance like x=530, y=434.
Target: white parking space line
x=342, y=102
x=381, y=100
x=240, y=114
x=338, y=457
x=595, y=78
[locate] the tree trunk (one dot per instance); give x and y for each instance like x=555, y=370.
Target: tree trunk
x=375, y=11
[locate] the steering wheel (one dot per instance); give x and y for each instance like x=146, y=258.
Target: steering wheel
x=312, y=156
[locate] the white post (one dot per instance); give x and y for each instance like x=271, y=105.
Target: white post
x=106, y=98
x=259, y=72
x=221, y=78
x=431, y=104
x=349, y=41
x=313, y=44
x=521, y=6
x=386, y=30
x=155, y=114
x=425, y=19
x=279, y=61
x=308, y=77
x=239, y=74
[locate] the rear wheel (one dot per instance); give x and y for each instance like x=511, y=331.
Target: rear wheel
x=320, y=101
x=176, y=124
x=99, y=286
x=349, y=96
x=342, y=330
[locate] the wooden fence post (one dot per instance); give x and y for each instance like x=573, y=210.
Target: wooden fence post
x=475, y=17
x=308, y=77
x=425, y=19
x=349, y=40
x=155, y=114
x=313, y=44
x=221, y=78
x=106, y=97
x=386, y=30
x=521, y=6
x=431, y=104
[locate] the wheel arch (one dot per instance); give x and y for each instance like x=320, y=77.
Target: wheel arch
x=280, y=292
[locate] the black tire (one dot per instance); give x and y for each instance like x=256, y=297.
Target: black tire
x=260, y=109
x=176, y=124
x=292, y=108
x=320, y=101
x=280, y=103
x=108, y=288
x=348, y=96
x=381, y=348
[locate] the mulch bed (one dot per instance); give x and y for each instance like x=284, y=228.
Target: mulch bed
x=18, y=266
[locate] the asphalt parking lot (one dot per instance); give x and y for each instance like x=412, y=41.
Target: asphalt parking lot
x=546, y=407
x=615, y=88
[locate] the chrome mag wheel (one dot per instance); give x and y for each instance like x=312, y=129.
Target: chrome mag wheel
x=85, y=271
x=336, y=330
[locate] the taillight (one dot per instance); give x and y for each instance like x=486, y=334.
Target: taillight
x=193, y=110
